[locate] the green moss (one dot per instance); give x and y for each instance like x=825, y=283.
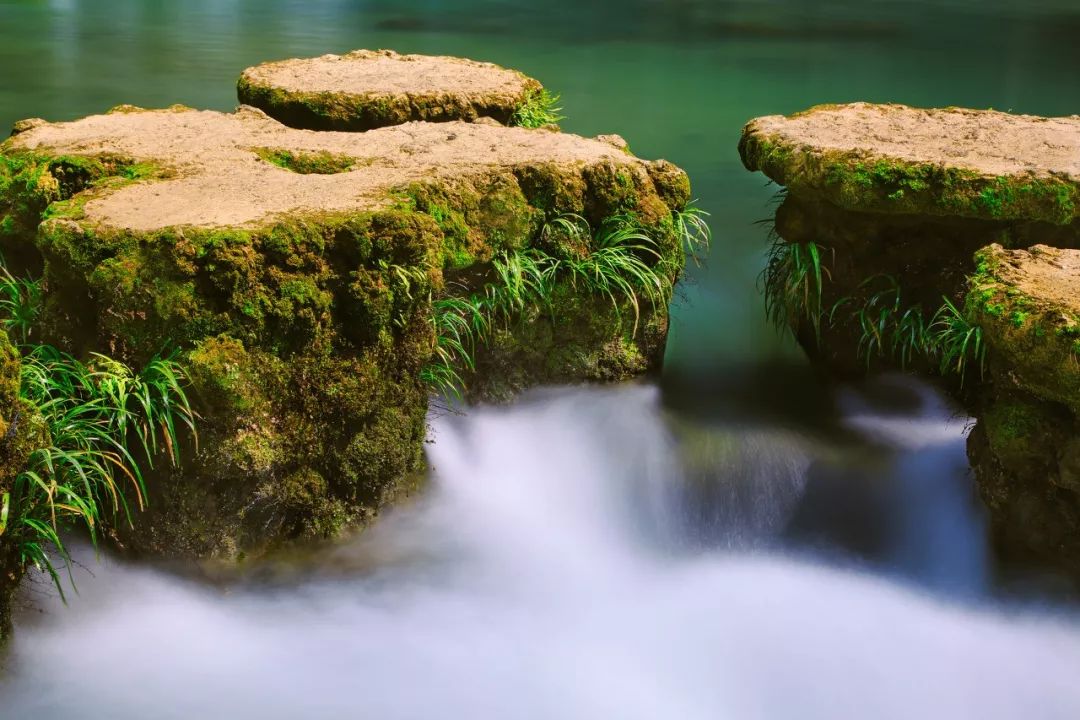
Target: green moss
x=1034, y=344
x=1015, y=429
x=358, y=112
x=856, y=181
x=309, y=163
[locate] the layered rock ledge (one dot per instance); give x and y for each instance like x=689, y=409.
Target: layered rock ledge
x=301, y=273
x=900, y=243
x=367, y=89
x=953, y=162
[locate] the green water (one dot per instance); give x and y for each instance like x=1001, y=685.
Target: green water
x=677, y=79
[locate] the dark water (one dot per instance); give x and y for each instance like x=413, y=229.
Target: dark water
x=740, y=541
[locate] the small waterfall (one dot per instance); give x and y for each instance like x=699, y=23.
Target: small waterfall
x=555, y=568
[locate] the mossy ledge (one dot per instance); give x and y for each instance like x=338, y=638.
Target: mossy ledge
x=367, y=89
x=978, y=164
x=302, y=302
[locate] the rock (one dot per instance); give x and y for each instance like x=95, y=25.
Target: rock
x=891, y=242
x=298, y=273
x=952, y=162
x=1027, y=303
x=367, y=89
x=22, y=126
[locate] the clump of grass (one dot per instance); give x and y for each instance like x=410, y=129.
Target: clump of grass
x=793, y=281
x=888, y=328
x=538, y=109
x=101, y=422
x=459, y=324
x=693, y=229
x=614, y=263
x=957, y=341
x=20, y=303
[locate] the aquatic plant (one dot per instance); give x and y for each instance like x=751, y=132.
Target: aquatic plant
x=957, y=341
x=538, y=109
x=88, y=428
x=793, y=281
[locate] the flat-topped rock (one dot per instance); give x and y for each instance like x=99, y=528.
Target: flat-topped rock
x=315, y=284
x=367, y=89
x=231, y=169
x=1028, y=305
x=979, y=164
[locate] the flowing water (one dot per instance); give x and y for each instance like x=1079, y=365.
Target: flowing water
x=736, y=540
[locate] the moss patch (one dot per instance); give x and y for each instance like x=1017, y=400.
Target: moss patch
x=1034, y=341
x=308, y=163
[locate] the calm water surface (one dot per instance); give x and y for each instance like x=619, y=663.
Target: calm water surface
x=739, y=540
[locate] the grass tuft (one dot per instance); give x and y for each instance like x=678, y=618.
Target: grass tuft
x=20, y=304
x=98, y=423
x=793, y=281
x=887, y=327
x=620, y=261
x=539, y=108
x=957, y=341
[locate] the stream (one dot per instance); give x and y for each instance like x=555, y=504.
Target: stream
x=737, y=538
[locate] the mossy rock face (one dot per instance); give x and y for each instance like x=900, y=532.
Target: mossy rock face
x=22, y=430
x=367, y=89
x=896, y=159
x=298, y=282
x=1026, y=458
x=1027, y=303
x=1026, y=446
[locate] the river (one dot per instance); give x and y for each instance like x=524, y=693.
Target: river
x=738, y=539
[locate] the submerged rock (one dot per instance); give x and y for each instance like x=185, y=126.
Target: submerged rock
x=367, y=89
x=896, y=246
x=301, y=275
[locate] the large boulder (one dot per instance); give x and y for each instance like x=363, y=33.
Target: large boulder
x=298, y=273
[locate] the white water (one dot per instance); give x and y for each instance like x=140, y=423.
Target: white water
x=552, y=572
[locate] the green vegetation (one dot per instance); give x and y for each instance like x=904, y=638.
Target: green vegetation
x=793, y=281
x=307, y=163
x=620, y=262
x=539, y=108
x=86, y=430
x=956, y=341
x=887, y=327
x=20, y=304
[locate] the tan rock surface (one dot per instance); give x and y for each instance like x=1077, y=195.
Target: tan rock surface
x=948, y=162
x=365, y=89
x=221, y=180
